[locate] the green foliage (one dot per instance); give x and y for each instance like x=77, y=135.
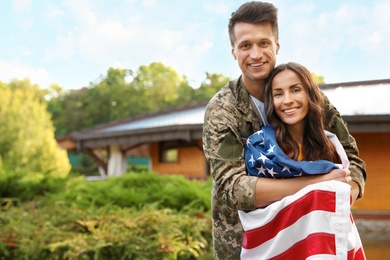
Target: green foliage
x=136, y=190
x=318, y=79
x=87, y=166
x=27, y=186
x=152, y=226
x=106, y=233
x=210, y=86
x=123, y=93
x=27, y=142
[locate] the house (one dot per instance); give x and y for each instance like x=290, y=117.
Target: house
x=172, y=138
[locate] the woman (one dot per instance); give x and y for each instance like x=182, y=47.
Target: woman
x=315, y=221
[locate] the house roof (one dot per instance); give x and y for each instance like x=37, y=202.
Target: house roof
x=363, y=105
x=180, y=123
x=360, y=98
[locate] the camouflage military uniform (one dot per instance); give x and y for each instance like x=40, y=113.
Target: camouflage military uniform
x=230, y=117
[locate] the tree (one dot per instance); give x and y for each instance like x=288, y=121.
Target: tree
x=159, y=86
x=55, y=105
x=27, y=142
x=318, y=79
x=113, y=98
x=210, y=86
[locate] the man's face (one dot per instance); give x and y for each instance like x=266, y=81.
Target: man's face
x=255, y=48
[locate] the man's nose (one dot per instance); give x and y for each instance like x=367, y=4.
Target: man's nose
x=256, y=53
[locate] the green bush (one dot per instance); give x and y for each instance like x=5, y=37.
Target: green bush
x=136, y=190
x=34, y=231
x=28, y=185
x=136, y=216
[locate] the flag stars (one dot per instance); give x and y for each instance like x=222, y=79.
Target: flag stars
x=271, y=149
x=262, y=141
x=262, y=157
x=259, y=132
x=285, y=168
x=271, y=172
x=261, y=170
x=252, y=160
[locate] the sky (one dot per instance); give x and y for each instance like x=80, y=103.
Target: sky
x=74, y=42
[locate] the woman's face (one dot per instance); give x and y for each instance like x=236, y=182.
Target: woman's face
x=290, y=99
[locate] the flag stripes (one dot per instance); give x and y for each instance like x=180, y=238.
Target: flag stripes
x=289, y=215
x=314, y=223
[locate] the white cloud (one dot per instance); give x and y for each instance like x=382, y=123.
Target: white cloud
x=340, y=42
x=21, y=5
x=14, y=70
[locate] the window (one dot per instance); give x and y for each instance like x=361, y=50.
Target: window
x=169, y=151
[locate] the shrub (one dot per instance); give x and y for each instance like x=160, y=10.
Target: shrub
x=136, y=216
x=32, y=231
x=137, y=190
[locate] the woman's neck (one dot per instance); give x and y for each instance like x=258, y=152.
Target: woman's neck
x=296, y=131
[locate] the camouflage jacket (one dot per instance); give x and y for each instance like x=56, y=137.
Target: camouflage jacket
x=230, y=117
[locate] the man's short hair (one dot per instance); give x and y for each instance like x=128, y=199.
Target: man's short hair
x=254, y=12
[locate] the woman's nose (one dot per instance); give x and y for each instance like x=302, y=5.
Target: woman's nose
x=287, y=98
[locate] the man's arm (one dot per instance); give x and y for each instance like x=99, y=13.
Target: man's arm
x=223, y=147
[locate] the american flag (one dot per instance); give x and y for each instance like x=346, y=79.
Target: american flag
x=314, y=223
x=264, y=158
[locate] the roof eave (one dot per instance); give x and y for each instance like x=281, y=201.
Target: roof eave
x=147, y=135
x=368, y=123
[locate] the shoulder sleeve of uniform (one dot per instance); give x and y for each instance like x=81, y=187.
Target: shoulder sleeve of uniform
x=223, y=148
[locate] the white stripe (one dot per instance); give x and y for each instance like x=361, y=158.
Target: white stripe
x=339, y=148
x=337, y=223
x=321, y=257
x=315, y=222
x=261, y=217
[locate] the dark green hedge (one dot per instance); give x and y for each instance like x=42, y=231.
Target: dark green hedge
x=136, y=216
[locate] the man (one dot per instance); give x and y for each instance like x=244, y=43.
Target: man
x=237, y=111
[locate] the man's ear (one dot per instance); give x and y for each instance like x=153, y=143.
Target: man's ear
x=234, y=54
x=277, y=47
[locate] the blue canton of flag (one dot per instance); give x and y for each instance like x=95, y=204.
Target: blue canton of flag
x=264, y=158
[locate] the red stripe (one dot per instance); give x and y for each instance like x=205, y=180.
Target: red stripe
x=314, y=244
x=356, y=255
x=314, y=200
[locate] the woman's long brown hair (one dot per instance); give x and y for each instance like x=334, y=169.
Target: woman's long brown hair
x=316, y=145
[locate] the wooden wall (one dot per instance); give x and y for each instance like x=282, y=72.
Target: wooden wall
x=374, y=149
x=191, y=162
